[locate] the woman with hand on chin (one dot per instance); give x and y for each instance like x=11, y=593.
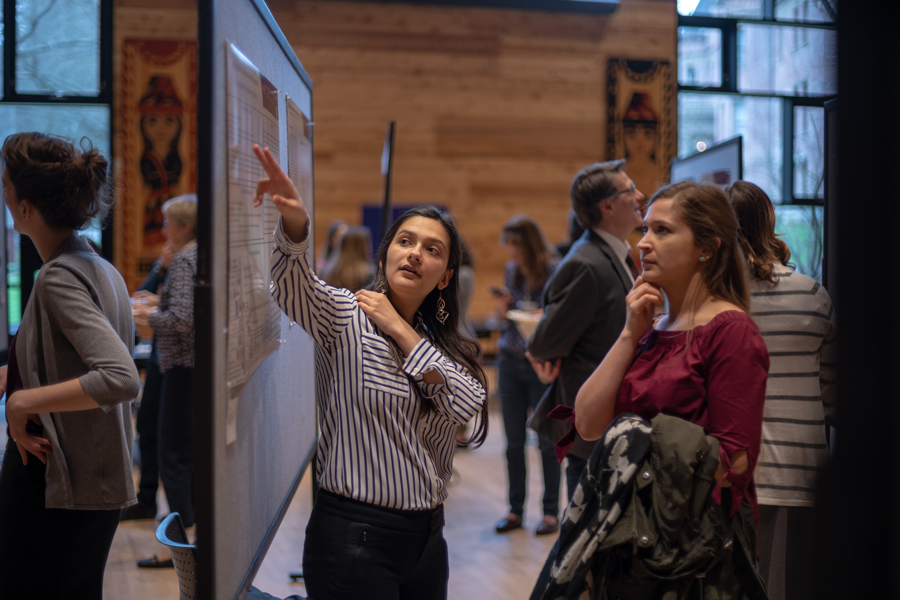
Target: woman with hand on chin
x=704, y=360
x=394, y=379
x=69, y=382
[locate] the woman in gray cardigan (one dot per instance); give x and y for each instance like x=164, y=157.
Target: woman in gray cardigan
x=70, y=379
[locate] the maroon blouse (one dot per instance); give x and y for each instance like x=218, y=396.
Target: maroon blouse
x=719, y=384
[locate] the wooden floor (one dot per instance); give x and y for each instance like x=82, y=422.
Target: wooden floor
x=483, y=564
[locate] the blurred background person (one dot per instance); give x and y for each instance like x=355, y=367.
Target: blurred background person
x=173, y=327
x=330, y=243
x=351, y=266
x=574, y=230
x=69, y=382
x=148, y=411
x=531, y=263
x=466, y=277
x=797, y=321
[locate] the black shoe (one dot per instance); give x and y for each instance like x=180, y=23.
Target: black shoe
x=508, y=524
x=155, y=563
x=141, y=510
x=547, y=527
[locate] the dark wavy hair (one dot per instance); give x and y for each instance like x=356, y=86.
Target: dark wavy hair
x=757, y=236
x=446, y=336
x=69, y=185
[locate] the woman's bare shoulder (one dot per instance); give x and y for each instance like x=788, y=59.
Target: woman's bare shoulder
x=712, y=309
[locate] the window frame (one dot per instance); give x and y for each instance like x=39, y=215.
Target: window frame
x=28, y=256
x=729, y=28
x=9, y=63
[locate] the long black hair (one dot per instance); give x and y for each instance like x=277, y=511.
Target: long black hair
x=445, y=336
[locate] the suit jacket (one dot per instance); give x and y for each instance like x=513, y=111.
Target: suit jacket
x=584, y=313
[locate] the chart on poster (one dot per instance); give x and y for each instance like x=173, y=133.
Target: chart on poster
x=254, y=329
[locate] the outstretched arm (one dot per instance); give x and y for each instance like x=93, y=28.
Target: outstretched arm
x=294, y=217
x=321, y=310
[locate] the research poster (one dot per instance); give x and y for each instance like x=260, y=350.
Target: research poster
x=300, y=156
x=254, y=320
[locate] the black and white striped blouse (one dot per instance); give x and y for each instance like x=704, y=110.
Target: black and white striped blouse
x=374, y=445
x=797, y=322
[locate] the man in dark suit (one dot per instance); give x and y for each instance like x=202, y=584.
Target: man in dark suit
x=584, y=301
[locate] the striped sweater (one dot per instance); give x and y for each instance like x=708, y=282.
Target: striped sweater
x=797, y=321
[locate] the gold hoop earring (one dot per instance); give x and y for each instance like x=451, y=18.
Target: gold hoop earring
x=441, y=305
x=381, y=288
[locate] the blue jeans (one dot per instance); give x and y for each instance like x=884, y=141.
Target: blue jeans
x=520, y=391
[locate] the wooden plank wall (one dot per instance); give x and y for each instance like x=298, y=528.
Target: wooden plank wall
x=496, y=110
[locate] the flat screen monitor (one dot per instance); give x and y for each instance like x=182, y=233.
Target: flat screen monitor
x=718, y=165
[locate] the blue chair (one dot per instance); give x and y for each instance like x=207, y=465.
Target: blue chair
x=171, y=534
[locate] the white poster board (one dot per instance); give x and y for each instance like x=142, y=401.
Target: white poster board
x=254, y=319
x=300, y=156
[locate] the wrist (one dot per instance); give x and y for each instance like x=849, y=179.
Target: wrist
x=296, y=229
x=628, y=337
x=15, y=404
x=406, y=337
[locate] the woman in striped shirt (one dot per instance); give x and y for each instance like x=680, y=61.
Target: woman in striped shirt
x=394, y=379
x=796, y=318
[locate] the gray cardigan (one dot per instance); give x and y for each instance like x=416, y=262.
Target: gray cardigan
x=78, y=324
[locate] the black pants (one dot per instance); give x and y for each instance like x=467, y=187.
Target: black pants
x=176, y=441
x=148, y=430
x=355, y=550
x=48, y=553
x=520, y=392
x=574, y=468
x=787, y=558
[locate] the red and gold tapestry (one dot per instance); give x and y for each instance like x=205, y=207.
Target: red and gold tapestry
x=641, y=121
x=158, y=125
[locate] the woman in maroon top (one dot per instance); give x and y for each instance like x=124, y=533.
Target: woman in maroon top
x=704, y=360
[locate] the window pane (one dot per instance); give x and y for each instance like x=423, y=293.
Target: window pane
x=795, y=61
x=13, y=276
x=804, y=233
x=2, y=34
x=750, y=9
x=700, y=56
x=706, y=119
x=806, y=11
x=58, y=47
x=809, y=152
x=65, y=120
